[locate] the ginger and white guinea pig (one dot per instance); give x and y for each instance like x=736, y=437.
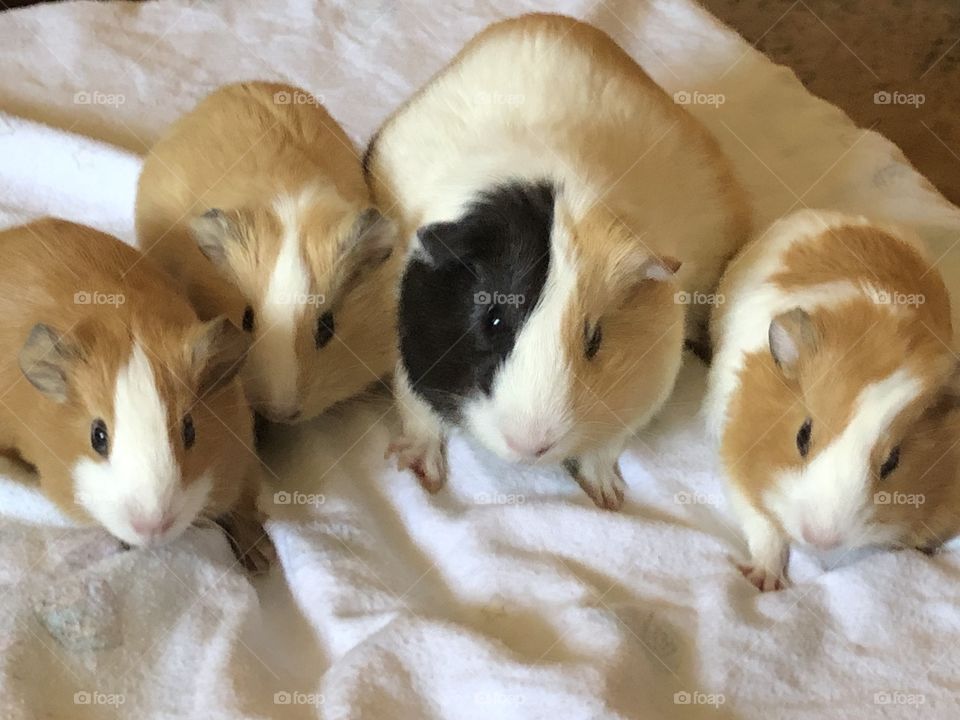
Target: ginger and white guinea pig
x=831, y=383
x=125, y=403
x=256, y=202
x=560, y=210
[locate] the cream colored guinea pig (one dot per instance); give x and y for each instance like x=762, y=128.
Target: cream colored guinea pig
x=565, y=217
x=122, y=400
x=256, y=202
x=831, y=382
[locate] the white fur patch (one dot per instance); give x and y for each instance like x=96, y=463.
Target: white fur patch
x=831, y=495
x=287, y=300
x=530, y=398
x=140, y=477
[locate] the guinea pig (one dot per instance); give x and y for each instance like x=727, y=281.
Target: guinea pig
x=832, y=368
x=255, y=201
x=566, y=223
x=126, y=405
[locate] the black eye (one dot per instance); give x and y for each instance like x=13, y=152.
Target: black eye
x=890, y=464
x=248, y=319
x=324, y=332
x=803, y=437
x=591, y=340
x=99, y=440
x=189, y=431
x=494, y=319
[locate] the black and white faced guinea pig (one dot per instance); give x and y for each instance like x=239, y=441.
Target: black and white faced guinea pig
x=832, y=391
x=255, y=201
x=562, y=212
x=127, y=405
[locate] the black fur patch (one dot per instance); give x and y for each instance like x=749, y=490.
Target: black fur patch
x=464, y=298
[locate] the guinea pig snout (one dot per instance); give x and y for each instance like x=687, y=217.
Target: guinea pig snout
x=820, y=537
x=151, y=527
x=529, y=446
x=279, y=413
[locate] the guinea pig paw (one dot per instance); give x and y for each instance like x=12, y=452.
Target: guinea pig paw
x=258, y=559
x=424, y=459
x=763, y=579
x=606, y=491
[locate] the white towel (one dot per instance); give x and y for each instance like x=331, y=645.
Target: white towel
x=507, y=595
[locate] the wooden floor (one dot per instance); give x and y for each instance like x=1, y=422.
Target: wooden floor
x=894, y=64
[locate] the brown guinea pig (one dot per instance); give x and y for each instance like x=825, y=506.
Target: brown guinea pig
x=127, y=405
x=832, y=367
x=256, y=202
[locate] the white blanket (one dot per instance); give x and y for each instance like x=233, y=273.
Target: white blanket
x=508, y=595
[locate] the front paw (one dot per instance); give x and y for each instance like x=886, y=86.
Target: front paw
x=250, y=543
x=425, y=459
x=604, y=485
x=764, y=579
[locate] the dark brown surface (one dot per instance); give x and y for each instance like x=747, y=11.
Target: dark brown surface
x=846, y=51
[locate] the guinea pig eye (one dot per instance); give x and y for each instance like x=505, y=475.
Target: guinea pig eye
x=890, y=464
x=99, y=440
x=494, y=319
x=188, y=431
x=324, y=332
x=248, y=319
x=803, y=437
x=591, y=340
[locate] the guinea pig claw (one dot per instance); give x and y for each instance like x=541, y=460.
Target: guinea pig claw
x=606, y=491
x=763, y=580
x=424, y=461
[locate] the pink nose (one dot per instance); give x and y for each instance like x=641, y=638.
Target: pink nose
x=825, y=540
x=151, y=527
x=527, y=449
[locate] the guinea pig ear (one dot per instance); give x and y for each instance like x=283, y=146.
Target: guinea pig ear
x=792, y=336
x=441, y=241
x=212, y=232
x=370, y=240
x=658, y=267
x=217, y=351
x=637, y=267
x=45, y=360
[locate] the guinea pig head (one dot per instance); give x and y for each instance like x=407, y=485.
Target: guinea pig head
x=831, y=417
x=128, y=413
x=542, y=336
x=308, y=267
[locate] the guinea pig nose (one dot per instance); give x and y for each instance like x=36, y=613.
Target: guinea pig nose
x=152, y=526
x=528, y=449
x=825, y=540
